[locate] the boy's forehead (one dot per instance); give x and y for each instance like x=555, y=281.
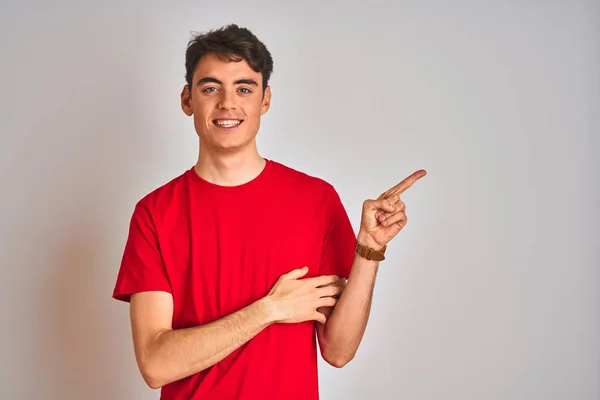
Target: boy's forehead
x=213, y=66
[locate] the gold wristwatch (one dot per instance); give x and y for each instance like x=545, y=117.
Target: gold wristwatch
x=369, y=253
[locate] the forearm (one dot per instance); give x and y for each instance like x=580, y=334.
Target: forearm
x=177, y=354
x=341, y=335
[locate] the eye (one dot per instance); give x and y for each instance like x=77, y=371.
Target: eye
x=209, y=89
x=245, y=90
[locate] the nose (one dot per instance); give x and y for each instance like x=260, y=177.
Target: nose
x=227, y=101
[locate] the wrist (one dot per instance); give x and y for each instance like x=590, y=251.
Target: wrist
x=367, y=240
x=267, y=310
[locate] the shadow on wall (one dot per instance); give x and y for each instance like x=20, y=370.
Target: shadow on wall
x=76, y=347
x=83, y=343
x=82, y=337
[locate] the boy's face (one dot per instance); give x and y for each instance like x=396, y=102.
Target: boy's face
x=226, y=100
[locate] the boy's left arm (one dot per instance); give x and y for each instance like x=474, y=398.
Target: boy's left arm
x=382, y=219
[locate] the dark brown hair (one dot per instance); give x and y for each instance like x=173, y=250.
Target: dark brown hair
x=229, y=43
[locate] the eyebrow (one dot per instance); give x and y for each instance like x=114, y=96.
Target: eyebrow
x=243, y=81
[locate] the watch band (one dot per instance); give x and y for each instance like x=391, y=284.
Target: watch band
x=369, y=253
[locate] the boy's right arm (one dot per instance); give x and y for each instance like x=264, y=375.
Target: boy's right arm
x=165, y=355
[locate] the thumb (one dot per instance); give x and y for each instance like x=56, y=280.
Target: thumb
x=297, y=273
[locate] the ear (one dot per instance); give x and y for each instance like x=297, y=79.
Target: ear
x=186, y=100
x=266, y=101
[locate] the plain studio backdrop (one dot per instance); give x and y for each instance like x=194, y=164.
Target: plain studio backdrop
x=491, y=291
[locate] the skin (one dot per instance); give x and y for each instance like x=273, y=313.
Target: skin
x=382, y=219
x=229, y=156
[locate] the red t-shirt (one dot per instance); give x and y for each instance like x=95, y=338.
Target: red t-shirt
x=217, y=249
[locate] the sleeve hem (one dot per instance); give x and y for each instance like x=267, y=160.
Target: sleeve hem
x=124, y=294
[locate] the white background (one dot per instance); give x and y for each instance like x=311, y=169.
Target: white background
x=491, y=291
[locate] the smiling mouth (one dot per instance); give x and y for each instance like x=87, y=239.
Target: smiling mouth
x=228, y=123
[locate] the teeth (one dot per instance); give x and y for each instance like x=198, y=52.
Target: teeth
x=228, y=123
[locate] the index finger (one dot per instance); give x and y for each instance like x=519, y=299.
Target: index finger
x=406, y=183
x=323, y=280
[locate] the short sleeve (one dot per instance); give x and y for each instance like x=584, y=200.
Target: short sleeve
x=339, y=240
x=142, y=268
